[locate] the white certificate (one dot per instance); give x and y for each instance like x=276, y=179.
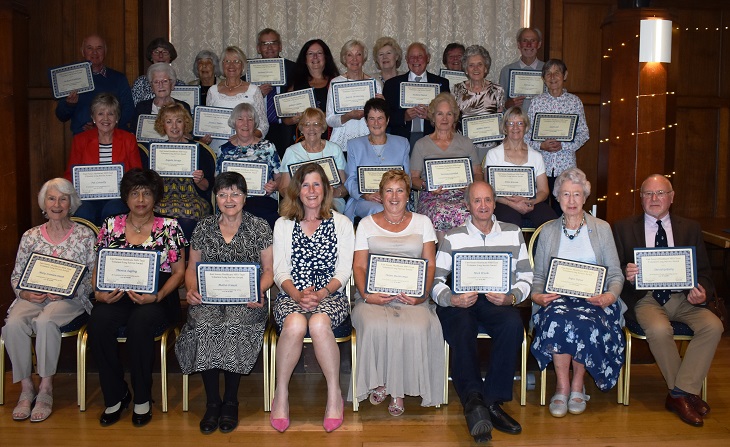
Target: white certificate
x=483, y=128
x=448, y=173
x=266, y=71
x=525, y=83
x=576, y=279
x=414, y=94
x=352, y=95
x=189, y=94
x=146, y=132
x=256, y=175
x=673, y=268
x=228, y=283
x=174, y=159
x=394, y=275
x=554, y=126
x=327, y=163
x=72, y=77
x=512, y=180
x=212, y=121
x=47, y=274
x=125, y=269
x=481, y=272
x=294, y=103
x=97, y=182
x=369, y=177
x=454, y=76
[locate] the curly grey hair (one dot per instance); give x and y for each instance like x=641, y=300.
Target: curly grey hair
x=477, y=50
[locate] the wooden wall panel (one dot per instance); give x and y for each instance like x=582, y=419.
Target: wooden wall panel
x=699, y=48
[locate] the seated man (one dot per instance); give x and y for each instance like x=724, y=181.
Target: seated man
x=462, y=315
x=654, y=309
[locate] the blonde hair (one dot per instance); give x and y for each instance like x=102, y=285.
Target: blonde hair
x=395, y=175
x=313, y=113
x=384, y=42
x=443, y=97
x=173, y=109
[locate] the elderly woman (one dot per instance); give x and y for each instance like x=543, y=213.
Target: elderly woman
x=400, y=346
x=445, y=208
x=141, y=314
x=375, y=149
x=584, y=332
x=102, y=145
x=232, y=236
x=388, y=56
x=478, y=95
x=452, y=57
x=558, y=155
x=158, y=51
x=207, y=68
x=313, y=147
x=346, y=126
x=312, y=265
x=162, y=78
x=515, y=152
x=244, y=145
x=41, y=313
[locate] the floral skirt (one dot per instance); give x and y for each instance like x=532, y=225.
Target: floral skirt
x=446, y=211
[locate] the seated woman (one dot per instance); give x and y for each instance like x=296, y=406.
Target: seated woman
x=244, y=145
x=584, y=332
x=43, y=314
x=514, y=152
x=312, y=125
x=204, y=345
x=141, y=314
x=375, y=149
x=162, y=79
x=445, y=208
x=312, y=266
x=400, y=346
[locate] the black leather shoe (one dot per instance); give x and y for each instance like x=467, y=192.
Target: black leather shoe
x=229, y=417
x=209, y=423
x=477, y=418
x=108, y=419
x=502, y=421
x=140, y=420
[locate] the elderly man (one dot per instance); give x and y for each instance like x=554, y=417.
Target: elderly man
x=654, y=309
x=76, y=106
x=529, y=40
x=411, y=123
x=452, y=56
x=463, y=315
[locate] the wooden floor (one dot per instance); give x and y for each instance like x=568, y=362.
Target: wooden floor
x=645, y=422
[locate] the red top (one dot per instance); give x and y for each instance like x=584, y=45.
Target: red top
x=85, y=150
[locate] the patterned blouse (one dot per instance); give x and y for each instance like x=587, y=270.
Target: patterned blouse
x=489, y=100
x=261, y=152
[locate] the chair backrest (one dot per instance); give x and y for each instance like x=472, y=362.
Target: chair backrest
x=144, y=155
x=82, y=221
x=532, y=246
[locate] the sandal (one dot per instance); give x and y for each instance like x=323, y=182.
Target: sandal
x=394, y=409
x=574, y=405
x=558, y=405
x=377, y=396
x=42, y=408
x=21, y=411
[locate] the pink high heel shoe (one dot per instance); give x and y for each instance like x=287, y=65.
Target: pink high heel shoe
x=279, y=424
x=332, y=424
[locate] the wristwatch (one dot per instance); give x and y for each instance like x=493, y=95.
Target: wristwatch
x=514, y=298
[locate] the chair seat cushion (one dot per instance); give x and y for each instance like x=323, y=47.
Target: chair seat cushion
x=76, y=323
x=679, y=328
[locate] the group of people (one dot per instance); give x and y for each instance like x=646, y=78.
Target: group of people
x=306, y=244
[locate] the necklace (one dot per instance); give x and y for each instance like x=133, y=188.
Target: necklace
x=382, y=148
x=137, y=229
x=395, y=223
x=235, y=86
x=315, y=150
x=565, y=229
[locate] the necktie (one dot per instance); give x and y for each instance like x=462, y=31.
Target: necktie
x=417, y=123
x=660, y=240
x=270, y=108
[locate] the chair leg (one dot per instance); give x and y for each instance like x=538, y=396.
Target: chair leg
x=704, y=389
x=82, y=371
x=2, y=371
x=163, y=368
x=523, y=371
x=447, y=355
x=185, y=391
x=266, y=352
x=627, y=372
x=353, y=369
x=620, y=386
x=543, y=386
x=272, y=366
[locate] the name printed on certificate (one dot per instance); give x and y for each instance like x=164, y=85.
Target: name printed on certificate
x=146, y=132
x=576, y=279
x=327, y=164
x=512, y=180
x=671, y=268
x=483, y=128
x=97, y=182
x=212, y=121
x=481, y=272
x=448, y=173
x=554, y=126
x=189, y=94
x=369, y=177
x=414, y=94
x=454, y=76
x=228, y=283
x=126, y=269
x=294, y=103
x=256, y=175
x=70, y=78
x=48, y=274
x=526, y=83
x=174, y=159
x=352, y=95
x=266, y=71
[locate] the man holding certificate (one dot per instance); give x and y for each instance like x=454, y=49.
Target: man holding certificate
x=655, y=309
x=529, y=41
x=464, y=315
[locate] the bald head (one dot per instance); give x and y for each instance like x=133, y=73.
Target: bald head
x=93, y=49
x=657, y=196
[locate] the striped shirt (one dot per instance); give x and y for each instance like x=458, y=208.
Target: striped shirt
x=105, y=154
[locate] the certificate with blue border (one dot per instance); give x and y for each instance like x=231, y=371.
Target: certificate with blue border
x=228, y=283
x=368, y=177
x=127, y=269
x=256, y=175
x=576, y=279
x=554, y=126
x=189, y=94
x=448, y=173
x=48, y=274
x=212, y=121
x=527, y=83
x=481, y=272
x=414, y=94
x=673, y=268
x=146, y=132
x=294, y=103
x=67, y=78
x=266, y=71
x=512, y=180
x=327, y=163
x=394, y=274
x=454, y=76
x=483, y=128
x=352, y=95
x=174, y=159
x=97, y=182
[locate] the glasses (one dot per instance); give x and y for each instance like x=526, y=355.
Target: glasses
x=659, y=194
x=269, y=43
x=232, y=61
x=161, y=82
x=225, y=195
x=309, y=124
x=515, y=123
x=161, y=52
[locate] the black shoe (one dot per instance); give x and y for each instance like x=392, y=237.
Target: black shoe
x=229, y=417
x=502, y=421
x=108, y=419
x=140, y=420
x=477, y=418
x=209, y=423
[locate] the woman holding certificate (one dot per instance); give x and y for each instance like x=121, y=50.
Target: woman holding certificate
x=159, y=51
x=219, y=337
x=162, y=78
x=312, y=266
x=400, y=346
x=141, y=313
x=582, y=332
x=531, y=202
x=43, y=313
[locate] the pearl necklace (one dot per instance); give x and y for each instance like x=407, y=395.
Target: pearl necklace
x=395, y=223
x=137, y=229
x=235, y=86
x=565, y=230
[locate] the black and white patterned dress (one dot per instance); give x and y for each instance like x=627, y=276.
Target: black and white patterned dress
x=227, y=337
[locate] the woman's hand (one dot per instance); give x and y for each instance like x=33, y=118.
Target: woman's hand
x=271, y=186
x=438, y=191
x=33, y=297
x=543, y=299
x=551, y=145
x=603, y=300
x=380, y=299
x=352, y=115
x=408, y=300
x=142, y=298
x=522, y=205
x=309, y=298
x=258, y=304
x=200, y=180
x=464, y=300
x=372, y=197
x=193, y=297
x=499, y=299
x=631, y=271
x=108, y=297
x=206, y=139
